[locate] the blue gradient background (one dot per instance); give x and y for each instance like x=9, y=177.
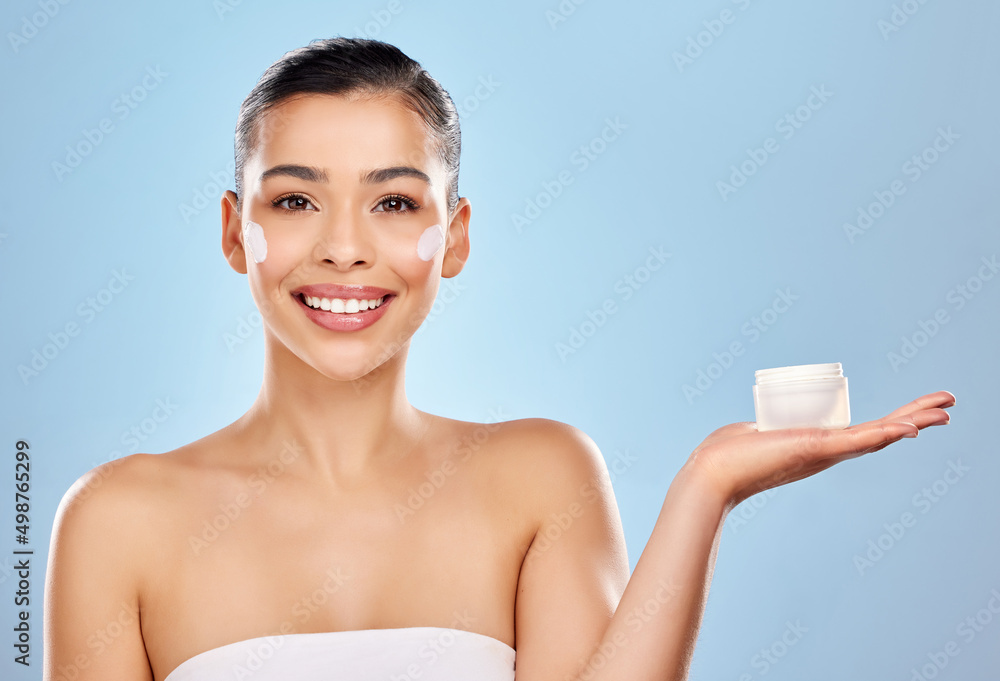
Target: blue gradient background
x=492, y=348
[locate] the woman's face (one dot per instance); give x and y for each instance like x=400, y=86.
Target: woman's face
x=346, y=193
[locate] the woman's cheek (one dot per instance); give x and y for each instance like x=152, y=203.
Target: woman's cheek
x=415, y=253
x=430, y=243
x=254, y=241
x=276, y=251
x=271, y=256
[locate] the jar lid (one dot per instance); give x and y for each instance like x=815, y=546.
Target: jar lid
x=802, y=372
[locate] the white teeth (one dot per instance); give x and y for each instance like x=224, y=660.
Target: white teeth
x=340, y=305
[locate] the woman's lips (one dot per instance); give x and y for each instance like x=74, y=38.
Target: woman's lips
x=345, y=321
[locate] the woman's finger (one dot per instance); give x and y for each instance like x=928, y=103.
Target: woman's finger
x=940, y=399
x=923, y=419
x=839, y=444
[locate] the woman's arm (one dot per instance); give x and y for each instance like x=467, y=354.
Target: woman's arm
x=91, y=627
x=652, y=633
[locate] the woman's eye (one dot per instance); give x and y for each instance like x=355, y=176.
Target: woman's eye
x=294, y=203
x=395, y=204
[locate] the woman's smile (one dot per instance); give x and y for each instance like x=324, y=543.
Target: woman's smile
x=343, y=307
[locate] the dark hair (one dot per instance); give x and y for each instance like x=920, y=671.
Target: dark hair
x=348, y=66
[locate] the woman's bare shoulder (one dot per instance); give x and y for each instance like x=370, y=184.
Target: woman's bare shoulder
x=129, y=486
x=534, y=452
x=111, y=483
x=553, y=440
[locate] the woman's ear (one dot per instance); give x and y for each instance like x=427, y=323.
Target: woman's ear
x=457, y=240
x=232, y=233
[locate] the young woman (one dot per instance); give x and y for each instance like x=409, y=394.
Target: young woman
x=335, y=531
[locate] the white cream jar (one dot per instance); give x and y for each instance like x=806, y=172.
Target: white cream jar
x=804, y=396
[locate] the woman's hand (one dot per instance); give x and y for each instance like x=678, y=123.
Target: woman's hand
x=739, y=462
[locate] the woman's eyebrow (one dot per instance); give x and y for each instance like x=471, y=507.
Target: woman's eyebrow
x=385, y=174
x=308, y=173
x=313, y=174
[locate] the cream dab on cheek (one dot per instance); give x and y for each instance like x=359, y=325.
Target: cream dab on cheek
x=430, y=242
x=253, y=238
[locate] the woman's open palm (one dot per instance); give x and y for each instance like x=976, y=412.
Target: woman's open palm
x=742, y=461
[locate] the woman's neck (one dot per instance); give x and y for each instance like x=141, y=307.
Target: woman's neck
x=341, y=431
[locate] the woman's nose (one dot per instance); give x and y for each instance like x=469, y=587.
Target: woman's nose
x=343, y=242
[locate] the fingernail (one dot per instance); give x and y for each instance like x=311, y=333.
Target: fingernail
x=911, y=434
